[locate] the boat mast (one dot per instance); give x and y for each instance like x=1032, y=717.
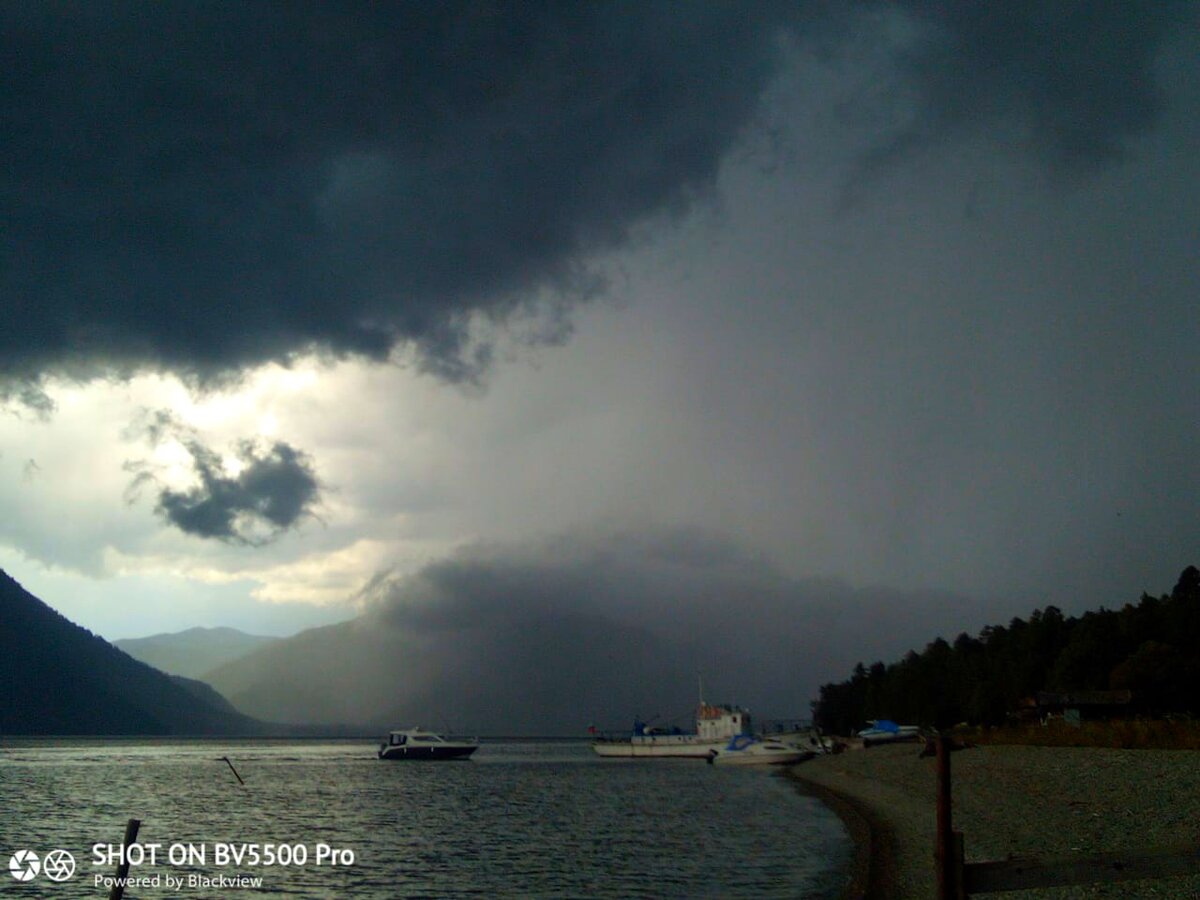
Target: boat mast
x=700, y=687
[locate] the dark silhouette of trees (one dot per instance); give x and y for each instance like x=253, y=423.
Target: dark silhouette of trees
x=1151, y=648
x=59, y=678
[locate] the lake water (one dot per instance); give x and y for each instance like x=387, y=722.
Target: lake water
x=519, y=819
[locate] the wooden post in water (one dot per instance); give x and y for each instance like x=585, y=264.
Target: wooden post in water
x=948, y=851
x=131, y=833
x=235, y=771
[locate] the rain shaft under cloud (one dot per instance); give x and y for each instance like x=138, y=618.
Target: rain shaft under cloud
x=587, y=629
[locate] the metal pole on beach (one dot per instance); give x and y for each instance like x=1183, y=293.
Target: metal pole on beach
x=947, y=853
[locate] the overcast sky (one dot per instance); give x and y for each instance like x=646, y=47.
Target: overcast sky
x=896, y=296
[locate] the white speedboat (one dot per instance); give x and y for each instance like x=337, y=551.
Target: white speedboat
x=417, y=744
x=803, y=739
x=745, y=750
x=885, y=731
x=715, y=725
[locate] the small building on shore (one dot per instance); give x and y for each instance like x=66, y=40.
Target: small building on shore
x=1074, y=707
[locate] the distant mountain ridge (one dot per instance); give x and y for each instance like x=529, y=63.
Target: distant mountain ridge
x=59, y=678
x=486, y=680
x=204, y=692
x=502, y=645
x=195, y=652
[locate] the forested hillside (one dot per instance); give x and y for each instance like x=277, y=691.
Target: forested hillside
x=1151, y=648
x=59, y=678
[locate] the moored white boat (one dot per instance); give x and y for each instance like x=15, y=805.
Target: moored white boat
x=885, y=731
x=745, y=750
x=715, y=725
x=804, y=739
x=417, y=744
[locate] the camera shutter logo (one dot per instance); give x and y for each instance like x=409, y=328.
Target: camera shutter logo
x=59, y=865
x=24, y=865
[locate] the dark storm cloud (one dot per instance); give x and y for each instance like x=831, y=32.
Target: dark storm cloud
x=207, y=186
x=204, y=186
x=1073, y=81
x=274, y=489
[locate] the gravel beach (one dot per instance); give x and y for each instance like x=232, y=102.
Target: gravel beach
x=1011, y=801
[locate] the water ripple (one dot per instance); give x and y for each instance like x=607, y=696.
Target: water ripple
x=527, y=819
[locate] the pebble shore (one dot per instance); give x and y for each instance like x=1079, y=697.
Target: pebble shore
x=1011, y=801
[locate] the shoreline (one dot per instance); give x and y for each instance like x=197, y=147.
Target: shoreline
x=1009, y=801
x=887, y=822
x=870, y=873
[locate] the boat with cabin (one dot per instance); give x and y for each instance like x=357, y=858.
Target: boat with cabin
x=715, y=725
x=417, y=744
x=746, y=750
